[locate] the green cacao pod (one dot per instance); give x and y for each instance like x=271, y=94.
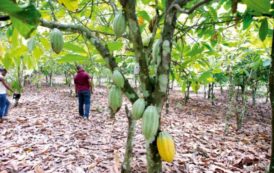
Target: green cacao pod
x=118, y=79
x=261, y=6
x=56, y=40
x=163, y=82
x=115, y=99
x=119, y=24
x=150, y=123
x=165, y=146
x=156, y=50
x=138, y=108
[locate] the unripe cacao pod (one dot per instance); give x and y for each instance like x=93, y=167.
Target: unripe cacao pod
x=138, y=108
x=156, y=50
x=56, y=40
x=150, y=123
x=119, y=24
x=163, y=82
x=115, y=99
x=166, y=147
x=118, y=79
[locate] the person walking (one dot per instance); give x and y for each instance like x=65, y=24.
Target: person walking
x=4, y=102
x=83, y=88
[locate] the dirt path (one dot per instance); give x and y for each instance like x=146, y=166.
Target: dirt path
x=45, y=132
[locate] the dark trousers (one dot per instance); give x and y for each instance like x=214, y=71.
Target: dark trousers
x=4, y=105
x=84, y=103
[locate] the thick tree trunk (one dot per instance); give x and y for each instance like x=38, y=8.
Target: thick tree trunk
x=126, y=168
x=271, y=90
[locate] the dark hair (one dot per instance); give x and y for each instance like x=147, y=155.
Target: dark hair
x=78, y=67
x=3, y=70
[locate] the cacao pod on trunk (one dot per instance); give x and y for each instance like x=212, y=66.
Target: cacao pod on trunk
x=166, y=147
x=138, y=108
x=150, y=123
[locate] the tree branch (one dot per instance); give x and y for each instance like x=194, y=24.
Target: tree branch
x=136, y=39
x=101, y=48
x=179, y=9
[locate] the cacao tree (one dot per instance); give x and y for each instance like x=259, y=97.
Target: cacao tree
x=121, y=29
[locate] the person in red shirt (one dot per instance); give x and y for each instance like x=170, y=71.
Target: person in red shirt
x=83, y=88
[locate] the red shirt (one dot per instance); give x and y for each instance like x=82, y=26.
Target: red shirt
x=81, y=81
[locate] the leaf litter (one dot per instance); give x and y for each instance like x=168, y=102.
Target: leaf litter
x=45, y=134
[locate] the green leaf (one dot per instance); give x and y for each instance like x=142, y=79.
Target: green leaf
x=263, y=29
x=25, y=19
x=144, y=15
x=23, y=28
x=261, y=6
x=114, y=45
x=72, y=58
x=9, y=6
x=145, y=1
x=74, y=48
x=247, y=21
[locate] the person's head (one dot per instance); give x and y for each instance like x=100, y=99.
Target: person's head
x=78, y=67
x=3, y=71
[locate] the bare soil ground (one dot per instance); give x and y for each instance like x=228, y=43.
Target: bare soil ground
x=45, y=134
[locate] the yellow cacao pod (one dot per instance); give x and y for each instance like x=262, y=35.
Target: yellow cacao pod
x=166, y=147
x=150, y=123
x=115, y=99
x=119, y=24
x=118, y=79
x=56, y=40
x=138, y=108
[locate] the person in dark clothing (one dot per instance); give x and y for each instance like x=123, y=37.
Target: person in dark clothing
x=83, y=88
x=4, y=102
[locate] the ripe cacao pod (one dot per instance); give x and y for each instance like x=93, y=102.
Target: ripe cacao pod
x=138, y=108
x=118, y=79
x=119, y=24
x=56, y=40
x=150, y=123
x=115, y=99
x=166, y=147
x=156, y=50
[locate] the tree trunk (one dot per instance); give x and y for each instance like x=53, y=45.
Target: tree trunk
x=209, y=90
x=271, y=90
x=50, y=79
x=254, y=91
x=154, y=163
x=267, y=95
x=126, y=168
x=187, y=92
x=238, y=93
x=222, y=90
x=243, y=92
x=230, y=109
x=212, y=96
x=204, y=91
